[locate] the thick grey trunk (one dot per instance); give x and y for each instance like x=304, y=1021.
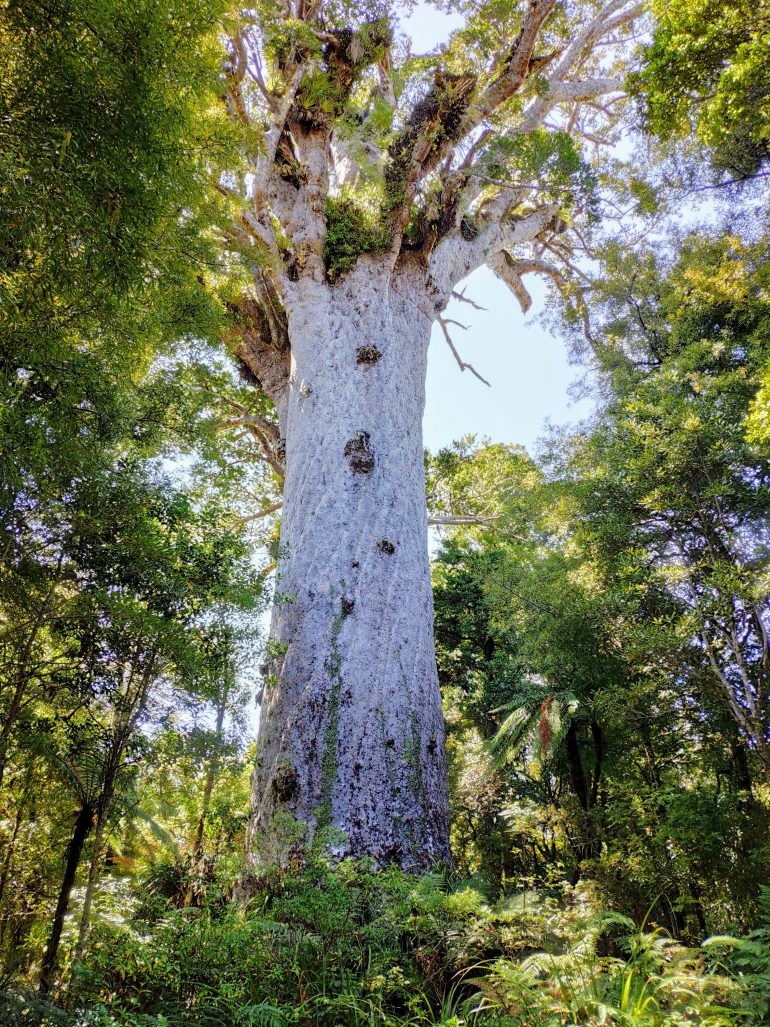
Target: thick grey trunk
x=351, y=739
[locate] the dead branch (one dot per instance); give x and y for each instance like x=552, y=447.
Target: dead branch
x=460, y=362
x=462, y=298
x=447, y=520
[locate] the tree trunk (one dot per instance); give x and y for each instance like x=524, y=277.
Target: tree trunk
x=80, y=832
x=351, y=735
x=577, y=777
x=583, y=845
x=94, y=866
x=598, y=739
x=211, y=774
x=741, y=764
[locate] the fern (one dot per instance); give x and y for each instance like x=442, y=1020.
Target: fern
x=259, y=1015
x=535, y=720
x=749, y=957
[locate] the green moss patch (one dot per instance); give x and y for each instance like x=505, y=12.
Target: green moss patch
x=350, y=232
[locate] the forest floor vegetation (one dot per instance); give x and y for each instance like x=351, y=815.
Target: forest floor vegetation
x=348, y=945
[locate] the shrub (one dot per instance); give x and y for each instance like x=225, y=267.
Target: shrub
x=346, y=945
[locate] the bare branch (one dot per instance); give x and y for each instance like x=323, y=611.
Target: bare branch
x=557, y=252
x=240, y=521
x=455, y=257
x=266, y=162
x=461, y=363
x=611, y=17
x=462, y=298
x=537, y=266
x=254, y=70
x=502, y=265
x=510, y=271
x=250, y=421
x=447, y=520
x=562, y=91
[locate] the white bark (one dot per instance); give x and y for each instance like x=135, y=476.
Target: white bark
x=454, y=258
x=351, y=735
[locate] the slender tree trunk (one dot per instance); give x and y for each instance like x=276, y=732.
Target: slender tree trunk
x=6, y=914
x=93, y=877
x=598, y=739
x=211, y=774
x=132, y=709
x=741, y=765
x=8, y=859
x=583, y=845
x=9, y=722
x=7, y=864
x=577, y=777
x=351, y=735
x=80, y=832
x=697, y=908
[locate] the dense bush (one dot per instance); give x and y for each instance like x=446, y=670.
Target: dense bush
x=353, y=946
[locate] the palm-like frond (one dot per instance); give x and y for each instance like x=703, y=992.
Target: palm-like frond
x=538, y=720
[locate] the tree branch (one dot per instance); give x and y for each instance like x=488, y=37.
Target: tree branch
x=516, y=65
x=456, y=257
x=462, y=298
x=460, y=362
x=240, y=521
x=447, y=520
x=510, y=271
x=250, y=421
x=562, y=91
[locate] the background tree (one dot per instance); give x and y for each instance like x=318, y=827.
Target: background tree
x=109, y=573
x=707, y=68
x=683, y=353
x=609, y=755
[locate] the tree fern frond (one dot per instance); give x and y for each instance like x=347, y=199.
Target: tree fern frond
x=513, y=734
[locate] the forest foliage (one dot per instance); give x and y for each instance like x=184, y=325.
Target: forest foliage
x=601, y=605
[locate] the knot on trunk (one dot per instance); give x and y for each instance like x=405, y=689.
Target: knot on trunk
x=386, y=546
x=285, y=783
x=359, y=452
x=367, y=355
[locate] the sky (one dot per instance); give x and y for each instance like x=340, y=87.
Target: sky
x=527, y=367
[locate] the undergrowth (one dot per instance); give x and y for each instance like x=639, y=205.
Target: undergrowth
x=348, y=945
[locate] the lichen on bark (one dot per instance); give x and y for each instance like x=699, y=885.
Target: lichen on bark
x=329, y=758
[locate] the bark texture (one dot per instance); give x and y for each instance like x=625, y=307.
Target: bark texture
x=351, y=738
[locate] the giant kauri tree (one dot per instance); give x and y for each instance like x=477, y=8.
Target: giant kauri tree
x=375, y=182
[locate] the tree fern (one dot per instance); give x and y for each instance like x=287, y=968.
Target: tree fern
x=536, y=721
